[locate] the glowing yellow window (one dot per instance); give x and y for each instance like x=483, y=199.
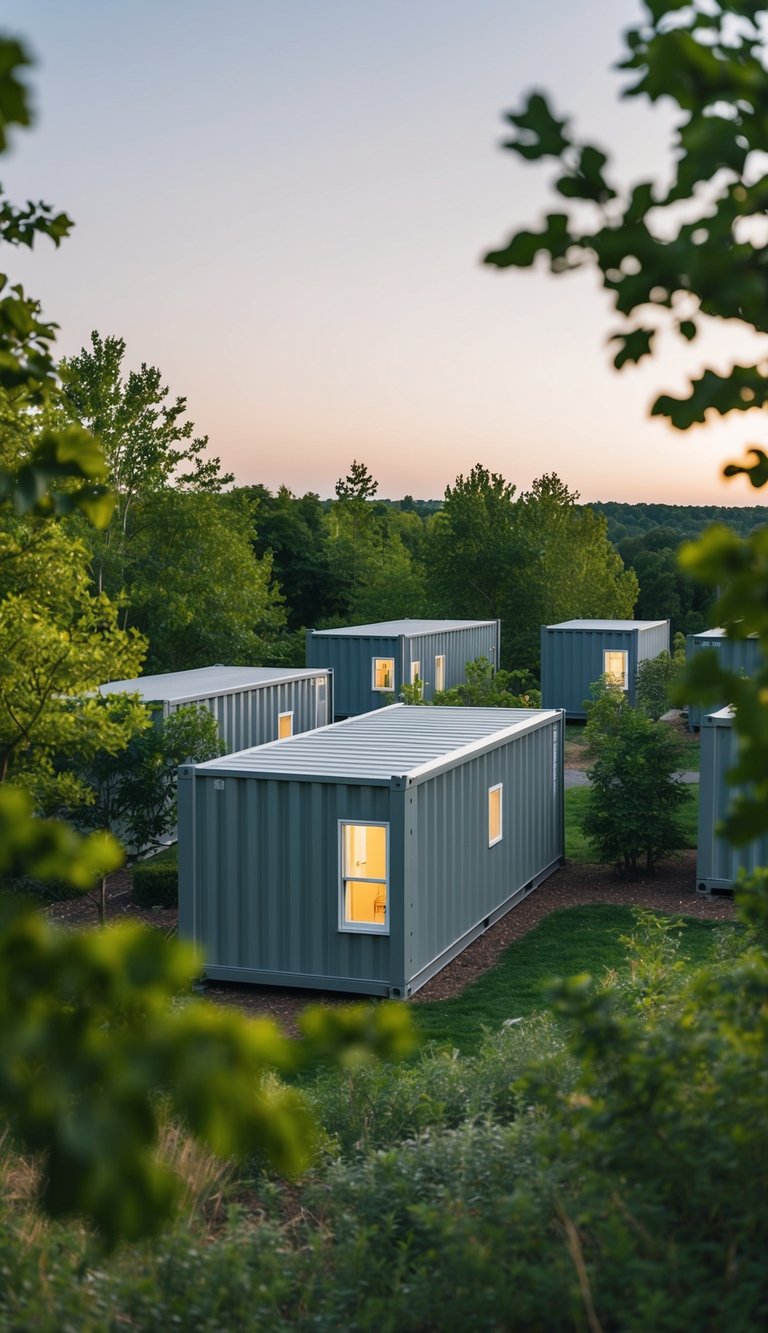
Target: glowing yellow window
x=284, y=725
x=415, y=672
x=364, y=876
x=495, y=826
x=384, y=673
x=615, y=667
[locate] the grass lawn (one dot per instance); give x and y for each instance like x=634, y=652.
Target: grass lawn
x=690, y=746
x=573, y=940
x=577, y=848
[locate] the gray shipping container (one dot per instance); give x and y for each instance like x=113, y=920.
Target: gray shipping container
x=371, y=663
x=739, y=655
x=576, y=653
x=252, y=705
x=717, y=862
x=365, y=856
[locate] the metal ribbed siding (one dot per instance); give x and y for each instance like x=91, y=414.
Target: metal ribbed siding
x=739, y=655
x=572, y=659
x=351, y=659
x=249, y=717
x=717, y=862
x=260, y=876
x=259, y=856
x=457, y=647
x=456, y=883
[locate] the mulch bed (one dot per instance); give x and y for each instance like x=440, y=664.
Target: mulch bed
x=672, y=889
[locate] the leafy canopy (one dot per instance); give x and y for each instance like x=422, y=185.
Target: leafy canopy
x=673, y=256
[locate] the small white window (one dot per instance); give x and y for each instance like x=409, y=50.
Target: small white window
x=384, y=674
x=415, y=672
x=284, y=726
x=363, y=853
x=616, y=666
x=440, y=673
x=495, y=815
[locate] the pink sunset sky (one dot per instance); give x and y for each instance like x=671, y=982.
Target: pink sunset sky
x=283, y=205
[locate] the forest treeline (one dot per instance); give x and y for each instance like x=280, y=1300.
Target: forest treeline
x=195, y=569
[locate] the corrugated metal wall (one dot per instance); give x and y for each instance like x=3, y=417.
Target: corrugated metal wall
x=717, y=862
x=259, y=881
x=572, y=659
x=739, y=655
x=259, y=875
x=351, y=661
x=457, y=647
x=249, y=717
x=652, y=640
x=455, y=880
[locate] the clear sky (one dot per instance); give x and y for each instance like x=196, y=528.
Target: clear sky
x=283, y=205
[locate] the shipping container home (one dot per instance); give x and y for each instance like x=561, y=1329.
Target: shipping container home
x=741, y=656
x=371, y=663
x=576, y=653
x=365, y=856
x=251, y=704
x=717, y=862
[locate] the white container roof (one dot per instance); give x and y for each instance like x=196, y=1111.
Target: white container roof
x=399, y=741
x=177, y=687
x=606, y=624
x=721, y=634
x=390, y=629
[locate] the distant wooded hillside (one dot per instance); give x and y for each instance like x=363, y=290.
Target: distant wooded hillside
x=686, y=521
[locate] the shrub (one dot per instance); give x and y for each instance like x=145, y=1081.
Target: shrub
x=634, y=800
x=156, y=882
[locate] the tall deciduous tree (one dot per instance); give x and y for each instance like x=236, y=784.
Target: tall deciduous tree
x=148, y=442
x=197, y=590
x=529, y=559
x=475, y=546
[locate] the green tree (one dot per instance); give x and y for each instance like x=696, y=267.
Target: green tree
x=58, y=640
x=148, y=444
x=572, y=569
x=673, y=257
x=196, y=588
x=133, y=793
x=474, y=546
x=634, y=797
x=292, y=530
x=89, y=1038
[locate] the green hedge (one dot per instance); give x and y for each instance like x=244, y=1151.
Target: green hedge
x=156, y=882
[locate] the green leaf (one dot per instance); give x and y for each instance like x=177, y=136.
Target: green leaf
x=634, y=346
x=522, y=249
x=542, y=135
x=757, y=472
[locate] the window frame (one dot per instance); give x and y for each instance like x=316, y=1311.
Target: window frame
x=622, y=684
x=382, y=689
x=347, y=927
x=497, y=787
x=280, y=716
x=440, y=671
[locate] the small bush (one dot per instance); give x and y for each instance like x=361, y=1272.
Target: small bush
x=156, y=882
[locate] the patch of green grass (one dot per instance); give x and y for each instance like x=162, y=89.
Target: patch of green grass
x=578, y=848
x=565, y=943
x=690, y=747
x=169, y=856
